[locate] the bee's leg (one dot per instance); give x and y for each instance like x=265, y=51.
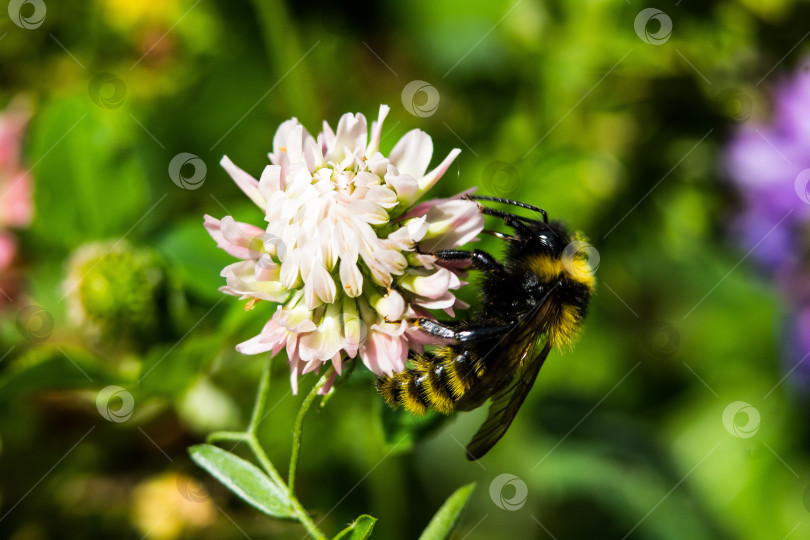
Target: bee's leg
x=500, y=235
x=447, y=330
x=516, y=222
x=480, y=260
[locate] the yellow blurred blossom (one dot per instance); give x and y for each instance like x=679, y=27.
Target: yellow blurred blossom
x=166, y=505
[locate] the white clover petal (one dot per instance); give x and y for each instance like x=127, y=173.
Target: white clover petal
x=428, y=284
x=240, y=278
x=351, y=136
x=391, y=306
x=248, y=184
x=294, y=145
x=266, y=269
x=272, y=338
x=281, y=139
x=320, y=282
x=326, y=341
x=452, y=223
x=400, y=240
x=240, y=248
x=411, y=155
x=313, y=155
x=378, y=165
x=352, y=327
x=433, y=176
x=369, y=212
x=417, y=228
x=270, y=181
x=290, y=270
x=376, y=131
x=405, y=185
x=350, y=277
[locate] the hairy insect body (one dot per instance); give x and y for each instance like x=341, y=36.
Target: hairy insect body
x=533, y=300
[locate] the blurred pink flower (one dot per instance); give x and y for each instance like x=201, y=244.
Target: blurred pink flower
x=15, y=184
x=15, y=188
x=338, y=251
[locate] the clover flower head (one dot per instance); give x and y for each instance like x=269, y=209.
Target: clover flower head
x=117, y=290
x=338, y=251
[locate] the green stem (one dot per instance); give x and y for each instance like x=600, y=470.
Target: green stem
x=299, y=426
x=251, y=439
x=264, y=461
x=300, y=512
x=261, y=396
x=227, y=436
x=287, y=59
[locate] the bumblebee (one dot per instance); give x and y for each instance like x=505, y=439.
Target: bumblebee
x=532, y=301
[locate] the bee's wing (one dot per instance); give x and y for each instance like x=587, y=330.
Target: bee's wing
x=505, y=405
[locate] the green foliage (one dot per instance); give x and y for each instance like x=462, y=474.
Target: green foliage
x=554, y=103
x=244, y=479
x=402, y=429
x=99, y=196
x=360, y=529
x=48, y=367
x=195, y=257
x=445, y=520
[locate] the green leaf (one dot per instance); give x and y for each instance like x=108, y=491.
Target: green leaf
x=195, y=257
x=446, y=518
x=244, y=479
x=360, y=529
x=89, y=185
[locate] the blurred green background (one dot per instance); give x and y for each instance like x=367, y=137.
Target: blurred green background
x=559, y=104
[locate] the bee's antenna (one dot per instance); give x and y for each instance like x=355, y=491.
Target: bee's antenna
x=510, y=201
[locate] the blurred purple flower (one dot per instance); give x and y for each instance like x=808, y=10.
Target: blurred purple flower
x=765, y=161
x=770, y=164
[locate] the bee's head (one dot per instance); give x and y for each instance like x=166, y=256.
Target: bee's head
x=534, y=234
x=546, y=237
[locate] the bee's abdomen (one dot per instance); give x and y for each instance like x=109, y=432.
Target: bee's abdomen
x=436, y=381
